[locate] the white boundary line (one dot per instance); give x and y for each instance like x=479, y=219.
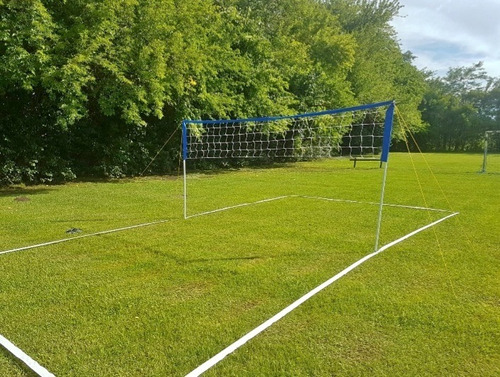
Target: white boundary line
x=215, y=211
x=83, y=236
x=240, y=342
x=317, y=198
x=18, y=353
x=134, y=226
x=240, y=205
x=374, y=203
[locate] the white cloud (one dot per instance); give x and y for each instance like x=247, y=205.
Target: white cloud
x=449, y=33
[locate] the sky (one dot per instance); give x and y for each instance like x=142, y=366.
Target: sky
x=451, y=33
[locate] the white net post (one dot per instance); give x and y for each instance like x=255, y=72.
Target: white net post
x=184, y=172
x=487, y=136
x=389, y=116
x=485, y=155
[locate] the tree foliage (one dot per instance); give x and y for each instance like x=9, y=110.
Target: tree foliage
x=459, y=108
x=381, y=70
x=94, y=87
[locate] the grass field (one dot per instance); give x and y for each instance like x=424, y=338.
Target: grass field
x=162, y=299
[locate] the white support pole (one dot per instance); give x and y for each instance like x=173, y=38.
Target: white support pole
x=488, y=137
x=185, y=188
x=485, y=156
x=184, y=158
x=381, y=206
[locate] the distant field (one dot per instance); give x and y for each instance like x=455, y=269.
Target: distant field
x=161, y=299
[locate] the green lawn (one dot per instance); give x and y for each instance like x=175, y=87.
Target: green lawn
x=162, y=299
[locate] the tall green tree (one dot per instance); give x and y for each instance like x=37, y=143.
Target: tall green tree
x=309, y=48
x=381, y=70
x=459, y=108
x=29, y=137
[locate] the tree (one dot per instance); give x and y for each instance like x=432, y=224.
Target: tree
x=381, y=71
x=29, y=136
x=459, y=108
x=309, y=49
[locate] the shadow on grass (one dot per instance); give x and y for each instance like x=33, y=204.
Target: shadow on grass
x=159, y=251
x=20, y=188
x=204, y=260
x=81, y=220
x=127, y=179
x=226, y=166
x=23, y=191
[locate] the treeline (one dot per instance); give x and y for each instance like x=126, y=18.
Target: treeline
x=95, y=87
x=459, y=108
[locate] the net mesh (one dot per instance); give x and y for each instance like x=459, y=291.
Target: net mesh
x=491, y=157
x=356, y=133
x=493, y=140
